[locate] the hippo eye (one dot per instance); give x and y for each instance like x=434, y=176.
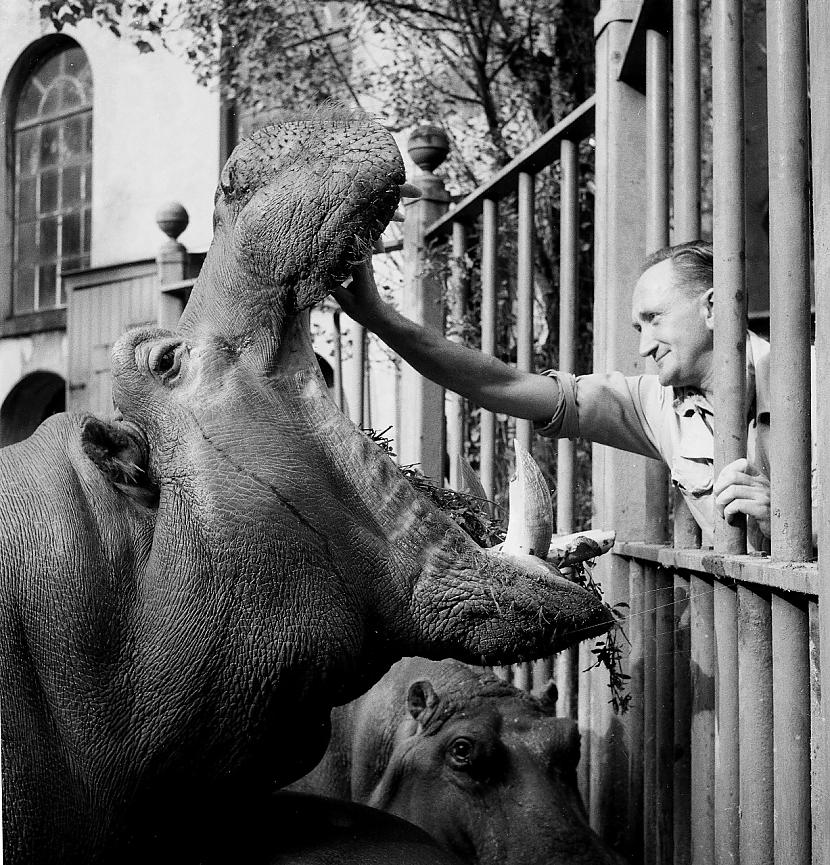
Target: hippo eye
x=460, y=752
x=165, y=361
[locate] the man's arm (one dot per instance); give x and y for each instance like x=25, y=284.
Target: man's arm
x=484, y=380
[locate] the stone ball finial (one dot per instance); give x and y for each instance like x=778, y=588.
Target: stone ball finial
x=172, y=219
x=428, y=146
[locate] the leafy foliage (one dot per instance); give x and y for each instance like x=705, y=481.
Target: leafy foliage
x=472, y=515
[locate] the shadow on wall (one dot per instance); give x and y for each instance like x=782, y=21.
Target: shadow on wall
x=32, y=400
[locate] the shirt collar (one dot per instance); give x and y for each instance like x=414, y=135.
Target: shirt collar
x=690, y=400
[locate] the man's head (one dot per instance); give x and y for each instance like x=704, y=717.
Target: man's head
x=671, y=309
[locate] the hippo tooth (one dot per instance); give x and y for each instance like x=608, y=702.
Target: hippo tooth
x=410, y=191
x=469, y=481
x=530, y=527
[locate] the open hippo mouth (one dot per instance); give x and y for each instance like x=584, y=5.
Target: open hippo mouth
x=297, y=205
x=242, y=430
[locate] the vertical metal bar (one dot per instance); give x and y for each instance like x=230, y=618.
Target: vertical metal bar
x=821, y=852
x=338, y=359
x=489, y=239
x=657, y=140
x=686, y=119
x=687, y=176
x=522, y=676
x=657, y=233
x=649, y=716
x=820, y=140
x=664, y=715
x=635, y=718
x=568, y=300
x=358, y=333
x=789, y=226
x=682, y=722
x=583, y=772
x=702, y=633
x=726, y=726
x=791, y=689
x=568, y=667
x=755, y=725
x=455, y=407
x=566, y=674
x=524, y=293
x=729, y=238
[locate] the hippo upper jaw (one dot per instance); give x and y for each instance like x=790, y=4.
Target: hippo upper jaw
x=298, y=204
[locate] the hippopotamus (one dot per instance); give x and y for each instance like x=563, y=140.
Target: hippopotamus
x=189, y=586
x=487, y=769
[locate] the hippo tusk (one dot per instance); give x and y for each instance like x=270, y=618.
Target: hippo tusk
x=469, y=483
x=410, y=191
x=566, y=550
x=530, y=526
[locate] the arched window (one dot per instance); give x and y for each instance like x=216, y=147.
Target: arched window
x=52, y=178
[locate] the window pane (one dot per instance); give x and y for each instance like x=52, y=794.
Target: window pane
x=48, y=239
x=73, y=137
x=71, y=95
x=27, y=243
x=71, y=239
x=27, y=187
x=74, y=60
x=46, y=285
x=28, y=144
x=50, y=70
x=49, y=145
x=49, y=191
x=52, y=103
x=71, y=186
x=24, y=290
x=29, y=104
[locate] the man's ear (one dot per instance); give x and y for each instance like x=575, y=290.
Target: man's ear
x=707, y=308
x=120, y=452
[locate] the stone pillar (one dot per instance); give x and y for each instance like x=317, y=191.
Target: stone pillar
x=172, y=219
x=421, y=436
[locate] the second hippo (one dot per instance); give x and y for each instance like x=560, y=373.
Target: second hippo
x=485, y=768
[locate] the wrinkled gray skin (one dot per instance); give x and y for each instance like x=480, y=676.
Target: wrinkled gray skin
x=186, y=590
x=486, y=769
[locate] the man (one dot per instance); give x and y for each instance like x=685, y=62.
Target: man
x=666, y=416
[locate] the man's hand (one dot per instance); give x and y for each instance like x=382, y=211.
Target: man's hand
x=359, y=298
x=741, y=488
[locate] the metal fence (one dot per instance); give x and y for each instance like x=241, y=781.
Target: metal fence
x=720, y=757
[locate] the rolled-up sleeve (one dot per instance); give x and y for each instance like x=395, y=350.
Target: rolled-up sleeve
x=610, y=409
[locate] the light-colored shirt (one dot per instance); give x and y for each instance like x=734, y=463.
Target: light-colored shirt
x=675, y=425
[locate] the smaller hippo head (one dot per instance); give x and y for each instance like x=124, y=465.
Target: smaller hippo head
x=490, y=772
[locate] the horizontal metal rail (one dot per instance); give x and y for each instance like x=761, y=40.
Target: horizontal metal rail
x=800, y=577
x=579, y=124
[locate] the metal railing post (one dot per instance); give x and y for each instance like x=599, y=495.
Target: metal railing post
x=820, y=139
x=524, y=294
x=421, y=438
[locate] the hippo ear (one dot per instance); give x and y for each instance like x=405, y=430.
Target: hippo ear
x=547, y=696
x=120, y=452
x=421, y=701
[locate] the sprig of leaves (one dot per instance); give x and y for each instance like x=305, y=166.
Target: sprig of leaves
x=472, y=515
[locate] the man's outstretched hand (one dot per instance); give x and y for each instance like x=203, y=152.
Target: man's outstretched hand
x=359, y=297
x=742, y=488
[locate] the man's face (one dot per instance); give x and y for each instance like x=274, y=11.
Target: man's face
x=675, y=327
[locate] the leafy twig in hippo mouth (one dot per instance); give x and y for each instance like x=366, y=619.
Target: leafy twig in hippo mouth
x=471, y=514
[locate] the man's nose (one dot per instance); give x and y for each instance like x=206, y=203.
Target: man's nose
x=647, y=343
